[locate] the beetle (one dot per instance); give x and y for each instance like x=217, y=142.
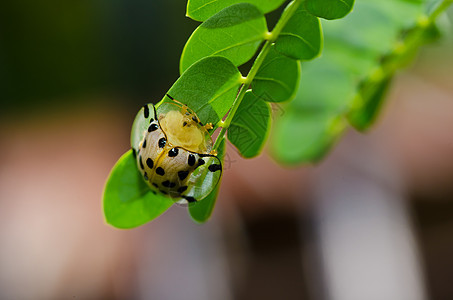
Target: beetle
x=174, y=152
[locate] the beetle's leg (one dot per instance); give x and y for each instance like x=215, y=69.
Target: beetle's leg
x=208, y=126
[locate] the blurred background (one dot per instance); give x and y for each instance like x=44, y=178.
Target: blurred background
x=374, y=220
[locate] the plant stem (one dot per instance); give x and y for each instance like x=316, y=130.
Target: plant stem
x=396, y=59
x=440, y=8
x=270, y=39
x=412, y=41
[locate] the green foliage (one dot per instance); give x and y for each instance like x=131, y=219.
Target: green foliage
x=277, y=79
x=128, y=202
x=362, y=117
x=311, y=124
x=235, y=33
x=250, y=125
x=201, y=10
x=346, y=84
x=301, y=38
x=319, y=129
x=349, y=81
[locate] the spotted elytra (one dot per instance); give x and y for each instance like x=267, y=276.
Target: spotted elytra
x=174, y=152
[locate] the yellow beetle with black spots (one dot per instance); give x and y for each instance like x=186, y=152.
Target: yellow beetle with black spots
x=174, y=152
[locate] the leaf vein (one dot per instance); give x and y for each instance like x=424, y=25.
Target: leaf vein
x=279, y=82
x=300, y=38
x=344, y=2
x=242, y=43
x=206, y=4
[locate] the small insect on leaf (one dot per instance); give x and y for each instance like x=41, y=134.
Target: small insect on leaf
x=174, y=152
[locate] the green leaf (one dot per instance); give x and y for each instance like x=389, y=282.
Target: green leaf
x=311, y=124
x=380, y=23
x=277, y=79
x=371, y=101
x=201, y=211
x=128, y=202
x=303, y=137
x=324, y=86
x=235, y=33
x=301, y=38
x=208, y=87
x=329, y=9
x=250, y=125
x=200, y=10
x=315, y=119
x=432, y=5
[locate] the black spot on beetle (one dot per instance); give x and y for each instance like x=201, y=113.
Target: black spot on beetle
x=144, y=143
x=151, y=120
x=146, y=111
x=191, y=160
x=163, y=192
x=195, y=119
x=183, y=174
x=200, y=162
x=162, y=142
x=153, y=127
x=134, y=153
x=146, y=176
x=149, y=163
x=184, y=123
x=182, y=189
x=168, y=184
x=173, y=152
x=155, y=185
x=190, y=199
x=141, y=162
x=160, y=171
x=215, y=167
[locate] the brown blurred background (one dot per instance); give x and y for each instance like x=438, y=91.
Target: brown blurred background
x=374, y=220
